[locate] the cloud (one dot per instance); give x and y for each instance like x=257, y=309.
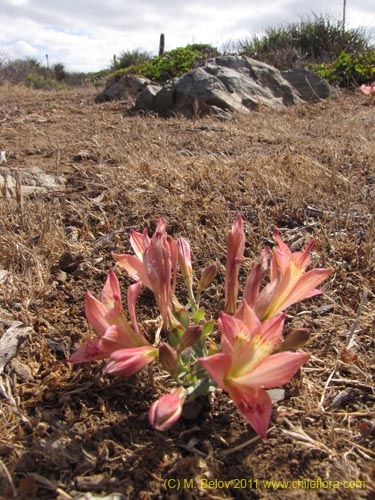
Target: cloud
x=84, y=35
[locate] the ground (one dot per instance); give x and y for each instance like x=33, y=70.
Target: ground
x=309, y=170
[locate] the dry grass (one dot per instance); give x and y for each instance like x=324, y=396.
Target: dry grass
x=309, y=170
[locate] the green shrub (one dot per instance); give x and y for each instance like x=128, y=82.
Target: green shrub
x=171, y=64
x=130, y=58
x=349, y=70
x=43, y=82
x=317, y=39
x=59, y=71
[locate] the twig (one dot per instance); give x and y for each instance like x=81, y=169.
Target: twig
x=300, y=435
x=6, y=474
x=347, y=381
x=321, y=402
x=359, y=312
x=49, y=485
x=362, y=448
x=240, y=446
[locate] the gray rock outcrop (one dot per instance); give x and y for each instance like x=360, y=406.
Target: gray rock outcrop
x=309, y=85
x=230, y=83
x=31, y=181
x=121, y=87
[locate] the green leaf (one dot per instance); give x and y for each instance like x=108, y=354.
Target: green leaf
x=208, y=327
x=198, y=315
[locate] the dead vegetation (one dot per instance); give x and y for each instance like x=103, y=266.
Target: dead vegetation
x=309, y=170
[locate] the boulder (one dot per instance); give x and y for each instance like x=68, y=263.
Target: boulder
x=309, y=85
x=230, y=83
x=31, y=181
x=121, y=87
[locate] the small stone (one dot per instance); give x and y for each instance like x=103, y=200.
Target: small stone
x=61, y=277
x=22, y=371
x=90, y=483
x=3, y=275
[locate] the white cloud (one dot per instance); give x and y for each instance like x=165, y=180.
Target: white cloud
x=84, y=35
x=21, y=50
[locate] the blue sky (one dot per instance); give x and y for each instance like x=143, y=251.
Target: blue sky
x=84, y=35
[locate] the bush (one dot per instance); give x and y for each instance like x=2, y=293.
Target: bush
x=17, y=71
x=312, y=40
x=171, y=64
x=43, y=82
x=130, y=58
x=59, y=71
x=349, y=70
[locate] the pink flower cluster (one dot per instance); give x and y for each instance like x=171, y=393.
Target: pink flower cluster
x=368, y=89
x=245, y=364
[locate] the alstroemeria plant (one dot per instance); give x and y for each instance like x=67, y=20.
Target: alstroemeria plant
x=245, y=356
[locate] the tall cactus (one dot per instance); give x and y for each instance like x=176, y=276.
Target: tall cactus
x=161, y=45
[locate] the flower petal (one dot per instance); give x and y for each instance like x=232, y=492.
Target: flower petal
x=95, y=313
x=218, y=366
x=235, y=250
x=139, y=242
x=275, y=370
x=254, y=279
x=111, y=291
x=135, y=268
x=89, y=351
x=255, y=406
x=125, y=362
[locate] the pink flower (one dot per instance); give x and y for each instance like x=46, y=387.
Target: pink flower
x=235, y=250
x=289, y=283
x=154, y=265
x=245, y=365
x=108, y=320
x=167, y=410
x=368, y=89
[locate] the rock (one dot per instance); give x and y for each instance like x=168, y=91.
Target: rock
x=309, y=86
x=121, y=87
x=22, y=371
x=91, y=496
x=148, y=96
x=15, y=334
x=90, y=483
x=221, y=114
x=32, y=181
x=227, y=83
x=3, y=275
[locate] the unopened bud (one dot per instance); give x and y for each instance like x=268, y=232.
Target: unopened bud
x=190, y=337
x=207, y=277
x=297, y=338
x=167, y=410
x=184, y=258
x=168, y=359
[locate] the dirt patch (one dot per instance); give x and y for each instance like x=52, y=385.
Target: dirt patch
x=309, y=170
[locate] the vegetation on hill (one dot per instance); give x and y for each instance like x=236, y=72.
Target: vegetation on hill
x=34, y=74
x=312, y=40
x=171, y=64
x=348, y=70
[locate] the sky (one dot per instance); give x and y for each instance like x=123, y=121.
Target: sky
x=84, y=34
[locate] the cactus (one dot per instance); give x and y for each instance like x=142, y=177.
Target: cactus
x=161, y=44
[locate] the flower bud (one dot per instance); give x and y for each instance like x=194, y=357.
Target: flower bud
x=168, y=359
x=190, y=337
x=167, y=410
x=184, y=258
x=207, y=277
x=297, y=338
